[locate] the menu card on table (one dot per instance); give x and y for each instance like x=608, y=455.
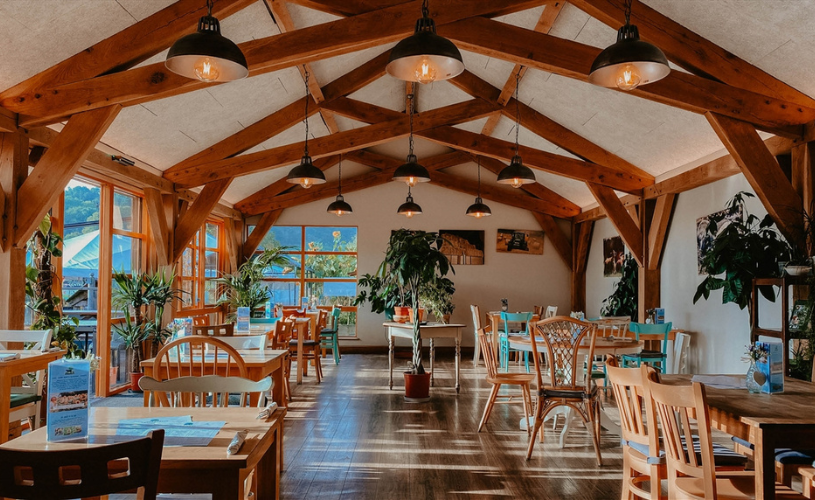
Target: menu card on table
x=770, y=369
x=68, y=386
x=242, y=325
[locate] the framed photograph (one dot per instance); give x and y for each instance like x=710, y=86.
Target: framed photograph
x=798, y=315
x=463, y=248
x=704, y=242
x=613, y=257
x=519, y=241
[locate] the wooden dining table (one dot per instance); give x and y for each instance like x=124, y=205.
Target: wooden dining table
x=260, y=363
x=27, y=361
x=194, y=469
x=767, y=421
x=431, y=331
x=303, y=327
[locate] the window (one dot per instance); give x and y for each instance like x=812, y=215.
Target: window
x=200, y=266
x=322, y=267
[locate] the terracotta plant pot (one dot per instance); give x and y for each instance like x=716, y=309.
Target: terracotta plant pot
x=417, y=387
x=421, y=315
x=446, y=319
x=401, y=314
x=134, y=381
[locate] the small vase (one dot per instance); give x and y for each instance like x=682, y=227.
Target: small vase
x=752, y=385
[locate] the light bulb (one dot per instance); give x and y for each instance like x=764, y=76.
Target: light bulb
x=628, y=77
x=409, y=215
x=207, y=70
x=411, y=181
x=478, y=215
x=306, y=183
x=340, y=213
x=516, y=183
x=426, y=71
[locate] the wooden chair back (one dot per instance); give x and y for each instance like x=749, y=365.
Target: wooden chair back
x=289, y=312
x=322, y=321
x=197, y=356
x=538, y=310
x=630, y=389
x=200, y=321
x=83, y=473
x=209, y=390
x=225, y=330
x=488, y=351
x=676, y=406
x=551, y=312
x=562, y=336
x=36, y=339
x=245, y=342
x=282, y=334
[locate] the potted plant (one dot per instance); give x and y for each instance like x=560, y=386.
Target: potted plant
x=381, y=293
x=133, y=335
x=623, y=301
x=747, y=248
x=414, y=259
x=245, y=288
x=438, y=297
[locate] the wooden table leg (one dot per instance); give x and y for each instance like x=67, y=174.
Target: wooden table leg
x=458, y=364
x=230, y=486
x=5, y=404
x=764, y=458
x=390, y=361
x=268, y=472
x=432, y=359
x=300, y=365
x=278, y=394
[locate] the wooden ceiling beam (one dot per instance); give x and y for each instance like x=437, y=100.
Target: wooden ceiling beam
x=197, y=213
x=658, y=232
x=562, y=245
x=621, y=219
x=345, y=8
x=306, y=45
x=261, y=228
x=333, y=144
x=573, y=60
x=56, y=168
x=8, y=121
x=158, y=225
x=691, y=51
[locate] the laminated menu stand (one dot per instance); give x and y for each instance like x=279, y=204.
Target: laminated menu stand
x=68, y=393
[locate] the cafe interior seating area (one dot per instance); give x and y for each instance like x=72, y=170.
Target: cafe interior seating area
x=407, y=249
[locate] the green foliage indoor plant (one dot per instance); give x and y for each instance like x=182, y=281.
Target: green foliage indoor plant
x=245, y=288
x=437, y=296
x=381, y=293
x=623, y=301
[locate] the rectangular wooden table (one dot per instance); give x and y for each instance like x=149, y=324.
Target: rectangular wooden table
x=302, y=326
x=259, y=365
x=430, y=331
x=768, y=421
x=27, y=361
x=195, y=469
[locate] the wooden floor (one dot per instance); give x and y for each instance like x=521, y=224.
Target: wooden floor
x=352, y=438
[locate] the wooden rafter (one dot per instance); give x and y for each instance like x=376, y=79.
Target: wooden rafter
x=57, y=166
x=158, y=225
x=190, y=222
x=264, y=55
x=330, y=145
x=571, y=59
x=581, y=243
x=256, y=236
x=356, y=7
x=658, y=232
x=8, y=121
x=691, y=51
x=622, y=220
x=763, y=173
x=562, y=245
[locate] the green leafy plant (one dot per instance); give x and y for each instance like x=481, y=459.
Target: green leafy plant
x=381, y=293
x=133, y=334
x=414, y=259
x=245, y=288
x=623, y=301
x=745, y=249
x=437, y=296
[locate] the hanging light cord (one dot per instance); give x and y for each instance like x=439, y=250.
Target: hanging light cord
x=479, y=177
x=517, y=112
x=410, y=112
x=339, y=188
x=409, y=197
x=628, y=11
x=209, y=8
x=306, y=119
x=425, y=9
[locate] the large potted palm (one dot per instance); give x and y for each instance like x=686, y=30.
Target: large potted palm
x=413, y=259
x=245, y=287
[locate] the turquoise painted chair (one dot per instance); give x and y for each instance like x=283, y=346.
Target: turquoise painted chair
x=328, y=336
x=503, y=336
x=657, y=359
x=262, y=321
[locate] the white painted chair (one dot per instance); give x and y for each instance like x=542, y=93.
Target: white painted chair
x=679, y=353
x=477, y=325
x=172, y=392
x=551, y=311
x=245, y=342
x=26, y=400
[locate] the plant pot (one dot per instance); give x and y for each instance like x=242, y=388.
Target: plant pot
x=417, y=387
x=401, y=314
x=134, y=381
x=446, y=319
x=797, y=270
x=421, y=315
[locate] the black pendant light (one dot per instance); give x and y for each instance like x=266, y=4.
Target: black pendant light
x=339, y=206
x=516, y=174
x=425, y=57
x=306, y=174
x=206, y=55
x=479, y=209
x=409, y=208
x=411, y=172
x=630, y=62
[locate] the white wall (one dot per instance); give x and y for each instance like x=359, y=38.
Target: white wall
x=526, y=280
x=718, y=332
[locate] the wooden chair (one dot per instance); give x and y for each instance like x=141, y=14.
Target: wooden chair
x=200, y=321
x=693, y=475
x=498, y=379
x=503, y=337
x=225, y=330
x=289, y=312
x=311, y=352
x=209, y=390
x=27, y=398
x=551, y=312
x=477, y=325
x=680, y=354
x=651, y=357
x=568, y=385
x=281, y=338
x=82, y=473
x=246, y=342
x=329, y=336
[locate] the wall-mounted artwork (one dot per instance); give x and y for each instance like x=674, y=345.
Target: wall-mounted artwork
x=613, y=257
x=704, y=241
x=463, y=248
x=520, y=241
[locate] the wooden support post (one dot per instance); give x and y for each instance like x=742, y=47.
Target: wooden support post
x=265, y=223
x=655, y=218
x=158, y=225
x=621, y=218
x=190, y=222
x=231, y=246
x=581, y=242
x=13, y=172
x=559, y=240
x=104, y=307
x=803, y=176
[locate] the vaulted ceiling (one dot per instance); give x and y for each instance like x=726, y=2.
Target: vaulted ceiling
x=624, y=141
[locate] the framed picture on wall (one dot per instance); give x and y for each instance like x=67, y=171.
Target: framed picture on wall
x=704, y=241
x=613, y=257
x=520, y=241
x=462, y=247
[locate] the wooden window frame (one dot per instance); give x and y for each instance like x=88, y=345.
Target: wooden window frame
x=200, y=250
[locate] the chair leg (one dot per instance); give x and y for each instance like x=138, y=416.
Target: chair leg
x=625, y=494
x=335, y=350
x=488, y=407
x=538, y=423
x=594, y=415
x=319, y=367
x=525, y=394
x=476, y=352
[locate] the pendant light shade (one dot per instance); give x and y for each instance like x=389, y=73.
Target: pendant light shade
x=409, y=208
x=425, y=57
x=206, y=55
x=339, y=207
x=306, y=174
x=411, y=172
x=516, y=174
x=630, y=62
x=479, y=209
